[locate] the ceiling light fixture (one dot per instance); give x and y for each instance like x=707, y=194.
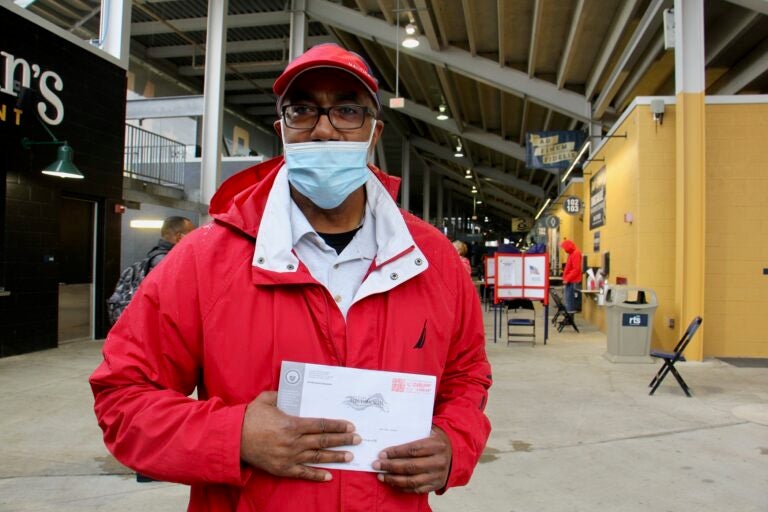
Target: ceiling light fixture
x=459, y=151
x=410, y=40
x=549, y=200
x=575, y=161
x=468, y=175
x=442, y=116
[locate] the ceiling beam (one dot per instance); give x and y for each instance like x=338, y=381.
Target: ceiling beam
x=470, y=133
x=256, y=45
x=760, y=6
x=247, y=99
x=619, y=26
x=535, y=31
x=469, y=24
x=726, y=32
x=497, y=175
x=577, y=25
x=745, y=72
x=639, y=70
x=257, y=19
x=646, y=29
x=239, y=67
x=249, y=84
x=502, y=37
x=457, y=60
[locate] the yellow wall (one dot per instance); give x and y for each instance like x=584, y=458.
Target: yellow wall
x=736, y=291
x=640, y=180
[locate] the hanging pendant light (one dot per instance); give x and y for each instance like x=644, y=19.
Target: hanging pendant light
x=442, y=109
x=459, y=151
x=410, y=40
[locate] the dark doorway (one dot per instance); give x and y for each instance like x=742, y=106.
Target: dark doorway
x=76, y=264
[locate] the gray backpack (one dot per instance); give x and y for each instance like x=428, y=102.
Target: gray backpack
x=129, y=281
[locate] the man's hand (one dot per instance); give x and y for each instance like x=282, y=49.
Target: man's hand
x=280, y=444
x=419, y=467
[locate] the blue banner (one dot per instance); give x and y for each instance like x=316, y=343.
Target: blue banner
x=552, y=149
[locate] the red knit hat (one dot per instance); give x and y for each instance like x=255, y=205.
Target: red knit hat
x=328, y=55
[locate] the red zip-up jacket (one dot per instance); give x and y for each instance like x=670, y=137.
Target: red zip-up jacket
x=210, y=317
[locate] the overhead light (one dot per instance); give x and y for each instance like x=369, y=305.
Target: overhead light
x=549, y=200
x=62, y=167
x=468, y=174
x=459, y=151
x=146, y=224
x=410, y=40
x=575, y=161
x=442, y=116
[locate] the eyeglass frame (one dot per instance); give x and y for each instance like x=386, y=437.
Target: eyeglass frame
x=326, y=111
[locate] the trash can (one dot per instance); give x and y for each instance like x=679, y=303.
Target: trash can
x=629, y=318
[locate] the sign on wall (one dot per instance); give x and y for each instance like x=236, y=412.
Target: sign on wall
x=552, y=149
x=572, y=205
x=521, y=225
x=597, y=199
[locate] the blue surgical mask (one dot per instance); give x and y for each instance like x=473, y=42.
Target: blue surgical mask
x=327, y=172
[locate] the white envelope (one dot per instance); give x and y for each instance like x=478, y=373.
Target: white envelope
x=387, y=408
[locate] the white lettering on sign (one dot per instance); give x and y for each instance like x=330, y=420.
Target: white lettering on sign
x=16, y=73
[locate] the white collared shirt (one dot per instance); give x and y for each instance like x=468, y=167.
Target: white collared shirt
x=340, y=273
x=383, y=239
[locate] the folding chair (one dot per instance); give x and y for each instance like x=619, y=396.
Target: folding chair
x=561, y=311
x=670, y=358
x=520, y=329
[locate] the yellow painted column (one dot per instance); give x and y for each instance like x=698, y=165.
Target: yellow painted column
x=690, y=169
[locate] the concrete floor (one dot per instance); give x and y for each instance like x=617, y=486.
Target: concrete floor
x=572, y=432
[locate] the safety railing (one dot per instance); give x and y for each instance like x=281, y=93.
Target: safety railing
x=154, y=158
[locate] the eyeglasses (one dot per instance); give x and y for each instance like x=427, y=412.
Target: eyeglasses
x=342, y=117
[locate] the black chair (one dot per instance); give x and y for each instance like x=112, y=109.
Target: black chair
x=521, y=328
x=670, y=358
x=561, y=311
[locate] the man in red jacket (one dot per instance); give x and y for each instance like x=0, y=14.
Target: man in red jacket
x=571, y=274
x=308, y=259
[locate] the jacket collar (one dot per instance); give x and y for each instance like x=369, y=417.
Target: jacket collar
x=274, y=245
x=240, y=201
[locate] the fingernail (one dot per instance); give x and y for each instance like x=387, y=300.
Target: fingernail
x=348, y=457
x=356, y=439
x=383, y=455
x=327, y=477
x=350, y=427
x=380, y=477
x=376, y=465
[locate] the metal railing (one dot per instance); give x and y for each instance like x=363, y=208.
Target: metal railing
x=154, y=158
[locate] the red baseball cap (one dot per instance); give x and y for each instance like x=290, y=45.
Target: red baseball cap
x=327, y=55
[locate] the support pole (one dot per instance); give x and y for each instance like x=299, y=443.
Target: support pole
x=213, y=103
x=690, y=169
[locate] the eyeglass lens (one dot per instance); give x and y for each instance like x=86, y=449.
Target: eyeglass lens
x=342, y=117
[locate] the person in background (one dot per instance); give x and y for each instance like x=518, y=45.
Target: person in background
x=461, y=248
x=171, y=233
x=308, y=259
x=571, y=274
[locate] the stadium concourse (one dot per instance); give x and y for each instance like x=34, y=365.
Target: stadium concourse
x=571, y=432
